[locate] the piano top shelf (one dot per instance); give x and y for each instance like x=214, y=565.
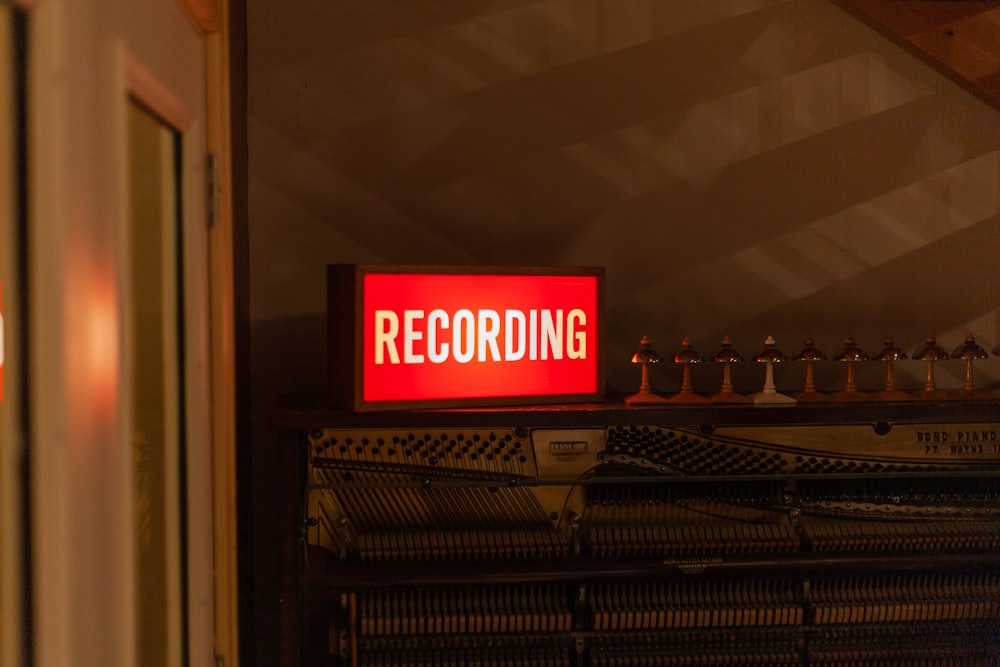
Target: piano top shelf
x=313, y=411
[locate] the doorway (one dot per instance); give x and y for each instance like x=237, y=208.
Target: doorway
x=121, y=446
x=156, y=264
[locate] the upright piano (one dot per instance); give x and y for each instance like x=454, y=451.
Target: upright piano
x=822, y=534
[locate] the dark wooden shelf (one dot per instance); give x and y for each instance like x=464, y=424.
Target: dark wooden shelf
x=309, y=412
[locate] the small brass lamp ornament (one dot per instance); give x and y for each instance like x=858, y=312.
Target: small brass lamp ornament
x=969, y=351
x=770, y=356
x=889, y=354
x=850, y=355
x=930, y=352
x=645, y=356
x=686, y=356
x=808, y=355
x=727, y=356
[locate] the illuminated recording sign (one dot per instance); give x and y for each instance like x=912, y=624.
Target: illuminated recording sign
x=406, y=337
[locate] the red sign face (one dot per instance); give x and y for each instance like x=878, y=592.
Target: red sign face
x=435, y=337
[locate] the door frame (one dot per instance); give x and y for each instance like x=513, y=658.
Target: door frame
x=85, y=58
x=14, y=535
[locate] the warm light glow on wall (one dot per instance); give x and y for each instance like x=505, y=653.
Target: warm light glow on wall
x=102, y=344
x=92, y=344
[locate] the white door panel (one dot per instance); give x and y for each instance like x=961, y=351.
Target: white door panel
x=88, y=59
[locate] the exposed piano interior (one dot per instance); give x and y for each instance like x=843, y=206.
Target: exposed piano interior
x=820, y=534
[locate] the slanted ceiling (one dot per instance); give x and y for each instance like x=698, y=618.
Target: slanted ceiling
x=959, y=37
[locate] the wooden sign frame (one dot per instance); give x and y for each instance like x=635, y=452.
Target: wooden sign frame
x=357, y=382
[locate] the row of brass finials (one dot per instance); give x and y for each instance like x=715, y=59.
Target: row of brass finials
x=929, y=352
